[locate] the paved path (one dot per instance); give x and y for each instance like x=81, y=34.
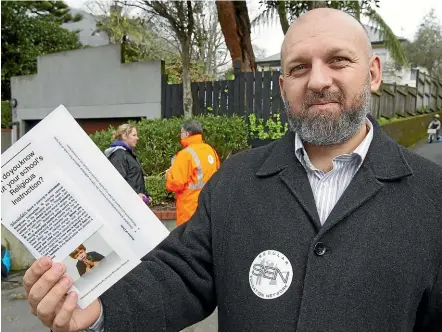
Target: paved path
x=431, y=151
x=15, y=312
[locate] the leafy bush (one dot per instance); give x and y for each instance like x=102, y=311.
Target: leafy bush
x=6, y=114
x=156, y=186
x=159, y=139
x=271, y=129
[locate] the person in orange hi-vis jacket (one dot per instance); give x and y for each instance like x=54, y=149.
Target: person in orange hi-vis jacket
x=191, y=168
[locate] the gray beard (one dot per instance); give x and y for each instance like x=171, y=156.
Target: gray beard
x=323, y=130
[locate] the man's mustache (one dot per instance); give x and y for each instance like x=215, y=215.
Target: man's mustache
x=313, y=98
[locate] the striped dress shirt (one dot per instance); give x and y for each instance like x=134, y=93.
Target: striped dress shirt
x=328, y=187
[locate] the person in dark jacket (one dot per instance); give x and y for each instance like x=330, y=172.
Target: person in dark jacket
x=122, y=155
x=335, y=227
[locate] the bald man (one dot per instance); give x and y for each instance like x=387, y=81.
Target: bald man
x=331, y=229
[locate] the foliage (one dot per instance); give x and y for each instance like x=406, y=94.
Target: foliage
x=208, y=46
x=174, y=68
x=178, y=18
x=271, y=129
x=426, y=49
x=409, y=130
x=287, y=11
x=31, y=29
x=159, y=139
x=6, y=114
x=156, y=186
x=142, y=42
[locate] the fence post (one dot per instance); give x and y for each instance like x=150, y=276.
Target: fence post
x=417, y=91
x=381, y=100
x=394, y=99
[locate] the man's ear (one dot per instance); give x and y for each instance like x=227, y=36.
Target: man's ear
x=375, y=73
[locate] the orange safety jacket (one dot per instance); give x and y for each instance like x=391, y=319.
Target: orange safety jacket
x=191, y=168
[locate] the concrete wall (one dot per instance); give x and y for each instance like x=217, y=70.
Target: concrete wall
x=92, y=84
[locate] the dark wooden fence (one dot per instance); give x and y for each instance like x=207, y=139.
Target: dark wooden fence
x=258, y=93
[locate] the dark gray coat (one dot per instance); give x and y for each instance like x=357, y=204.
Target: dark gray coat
x=378, y=268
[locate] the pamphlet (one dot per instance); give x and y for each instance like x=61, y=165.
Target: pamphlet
x=62, y=198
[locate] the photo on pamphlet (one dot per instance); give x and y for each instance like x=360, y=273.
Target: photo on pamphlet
x=87, y=263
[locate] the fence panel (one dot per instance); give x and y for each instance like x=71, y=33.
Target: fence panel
x=266, y=93
x=250, y=92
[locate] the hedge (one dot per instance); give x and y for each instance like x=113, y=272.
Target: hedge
x=408, y=131
x=159, y=139
x=156, y=186
x=6, y=114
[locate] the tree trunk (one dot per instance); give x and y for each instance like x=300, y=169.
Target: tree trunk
x=282, y=12
x=234, y=19
x=187, y=92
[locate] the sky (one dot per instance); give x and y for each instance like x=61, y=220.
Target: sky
x=403, y=17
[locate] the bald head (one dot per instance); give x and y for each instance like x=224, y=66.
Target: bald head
x=329, y=21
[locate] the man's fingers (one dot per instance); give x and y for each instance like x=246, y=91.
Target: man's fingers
x=37, y=269
x=47, y=308
x=63, y=320
x=45, y=284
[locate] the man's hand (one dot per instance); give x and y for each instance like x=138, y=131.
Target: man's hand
x=46, y=287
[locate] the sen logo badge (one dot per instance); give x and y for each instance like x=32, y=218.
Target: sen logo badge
x=270, y=275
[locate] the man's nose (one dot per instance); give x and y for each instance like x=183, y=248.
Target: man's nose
x=319, y=79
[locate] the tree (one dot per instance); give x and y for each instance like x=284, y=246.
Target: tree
x=234, y=19
x=148, y=38
x=179, y=16
x=289, y=10
x=209, y=47
x=31, y=29
x=426, y=49
x=56, y=10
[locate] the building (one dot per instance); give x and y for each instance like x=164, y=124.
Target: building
x=391, y=72
x=93, y=84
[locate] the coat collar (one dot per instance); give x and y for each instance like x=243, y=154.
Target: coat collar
x=193, y=139
x=384, y=157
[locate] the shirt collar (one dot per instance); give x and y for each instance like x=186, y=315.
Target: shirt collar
x=360, y=151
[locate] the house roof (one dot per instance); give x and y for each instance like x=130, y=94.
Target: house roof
x=374, y=35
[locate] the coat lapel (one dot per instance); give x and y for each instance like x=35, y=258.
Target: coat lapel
x=384, y=162
x=282, y=160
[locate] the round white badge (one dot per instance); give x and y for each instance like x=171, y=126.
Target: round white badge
x=210, y=159
x=270, y=275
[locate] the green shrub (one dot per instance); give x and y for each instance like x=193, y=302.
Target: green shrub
x=6, y=114
x=159, y=139
x=271, y=129
x=226, y=134
x=156, y=186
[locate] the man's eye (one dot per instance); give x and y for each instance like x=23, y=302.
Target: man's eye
x=299, y=67
x=340, y=60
